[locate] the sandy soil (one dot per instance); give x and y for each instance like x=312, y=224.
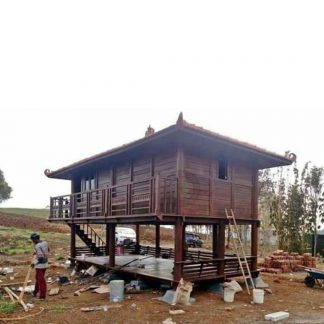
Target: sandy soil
x=305, y=305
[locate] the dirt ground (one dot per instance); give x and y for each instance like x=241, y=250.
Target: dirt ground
x=31, y=223
x=305, y=305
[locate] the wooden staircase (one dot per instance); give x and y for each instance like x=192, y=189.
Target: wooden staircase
x=94, y=243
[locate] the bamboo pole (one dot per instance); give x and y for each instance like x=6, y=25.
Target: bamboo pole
x=25, y=284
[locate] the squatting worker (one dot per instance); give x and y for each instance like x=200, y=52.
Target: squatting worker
x=40, y=264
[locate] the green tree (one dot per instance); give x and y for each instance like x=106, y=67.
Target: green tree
x=294, y=214
x=313, y=189
x=294, y=204
x=5, y=189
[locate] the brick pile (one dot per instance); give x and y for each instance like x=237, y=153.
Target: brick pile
x=281, y=261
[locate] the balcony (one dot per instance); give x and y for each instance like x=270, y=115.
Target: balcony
x=153, y=196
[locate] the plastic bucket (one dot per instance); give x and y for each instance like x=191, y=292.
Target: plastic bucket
x=229, y=295
x=258, y=296
x=116, y=290
x=118, y=250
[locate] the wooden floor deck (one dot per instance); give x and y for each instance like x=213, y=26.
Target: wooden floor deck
x=159, y=269
x=154, y=268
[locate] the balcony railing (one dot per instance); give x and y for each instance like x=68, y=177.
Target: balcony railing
x=146, y=197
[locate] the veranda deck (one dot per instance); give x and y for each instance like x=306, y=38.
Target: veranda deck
x=142, y=266
x=159, y=269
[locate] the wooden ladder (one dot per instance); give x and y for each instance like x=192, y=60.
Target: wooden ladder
x=239, y=248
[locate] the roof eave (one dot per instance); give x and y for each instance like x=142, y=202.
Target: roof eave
x=277, y=160
x=62, y=172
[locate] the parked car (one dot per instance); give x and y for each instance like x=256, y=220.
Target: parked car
x=193, y=240
x=125, y=236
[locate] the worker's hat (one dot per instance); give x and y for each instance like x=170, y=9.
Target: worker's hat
x=34, y=236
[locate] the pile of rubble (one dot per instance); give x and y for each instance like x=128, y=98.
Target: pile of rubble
x=281, y=261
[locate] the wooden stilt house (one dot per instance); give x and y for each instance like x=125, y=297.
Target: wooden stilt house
x=182, y=175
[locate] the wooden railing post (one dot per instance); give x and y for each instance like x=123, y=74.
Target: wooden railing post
x=60, y=213
x=51, y=208
x=71, y=206
x=88, y=204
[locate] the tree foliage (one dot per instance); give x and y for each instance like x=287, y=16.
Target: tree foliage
x=5, y=189
x=293, y=202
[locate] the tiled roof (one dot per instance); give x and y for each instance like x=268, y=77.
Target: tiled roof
x=181, y=124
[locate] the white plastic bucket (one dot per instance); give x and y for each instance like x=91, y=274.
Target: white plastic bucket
x=258, y=296
x=229, y=295
x=116, y=290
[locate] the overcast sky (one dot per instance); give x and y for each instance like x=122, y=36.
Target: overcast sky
x=80, y=77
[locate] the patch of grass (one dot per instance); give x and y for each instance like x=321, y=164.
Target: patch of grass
x=15, y=241
x=7, y=307
x=59, y=308
x=42, y=212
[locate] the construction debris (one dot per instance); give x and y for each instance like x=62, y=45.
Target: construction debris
x=259, y=283
x=229, y=309
x=92, y=270
x=169, y=321
x=64, y=280
x=12, y=294
x=54, y=291
x=99, y=308
x=182, y=294
x=13, y=284
x=104, y=289
x=234, y=285
x=176, y=312
x=79, y=291
x=278, y=316
x=30, y=306
x=136, y=286
x=281, y=262
x=7, y=270
x=28, y=289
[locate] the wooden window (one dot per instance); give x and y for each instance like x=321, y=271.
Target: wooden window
x=222, y=170
x=89, y=183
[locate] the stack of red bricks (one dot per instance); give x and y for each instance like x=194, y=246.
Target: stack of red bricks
x=281, y=261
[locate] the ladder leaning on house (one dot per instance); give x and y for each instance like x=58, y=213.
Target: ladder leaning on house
x=239, y=249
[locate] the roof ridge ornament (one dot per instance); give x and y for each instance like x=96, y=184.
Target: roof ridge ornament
x=47, y=172
x=149, y=132
x=291, y=156
x=180, y=121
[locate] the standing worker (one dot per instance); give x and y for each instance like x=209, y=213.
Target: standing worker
x=40, y=264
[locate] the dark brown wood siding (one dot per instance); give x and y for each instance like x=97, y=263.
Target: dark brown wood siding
x=196, y=187
x=242, y=191
x=204, y=194
x=105, y=177
x=163, y=165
